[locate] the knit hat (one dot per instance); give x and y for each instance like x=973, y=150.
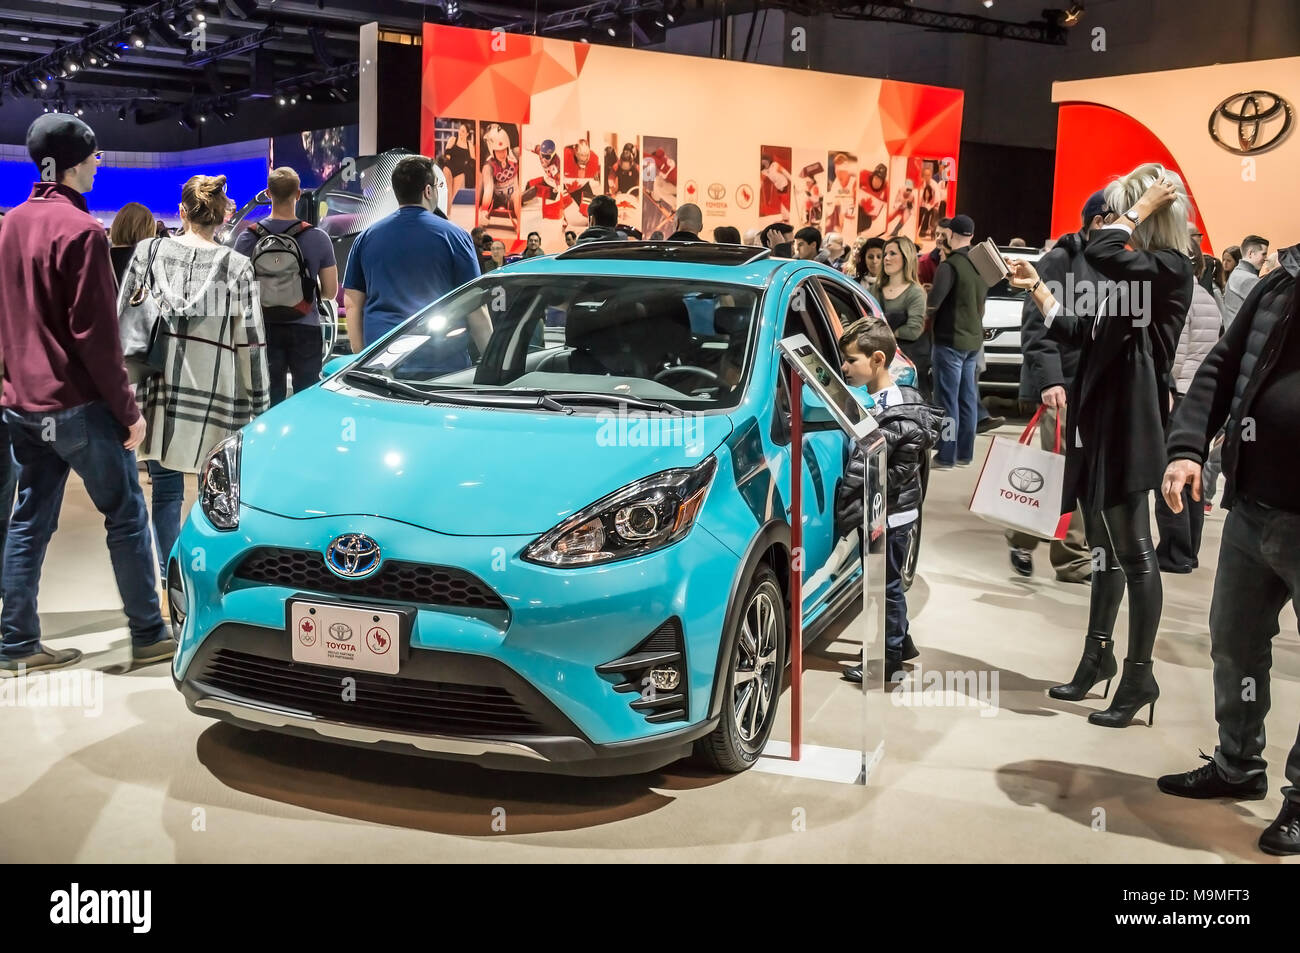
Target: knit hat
x=65, y=139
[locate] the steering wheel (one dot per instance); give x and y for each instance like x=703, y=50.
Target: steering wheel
x=704, y=372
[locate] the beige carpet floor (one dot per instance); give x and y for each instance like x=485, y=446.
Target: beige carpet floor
x=1027, y=780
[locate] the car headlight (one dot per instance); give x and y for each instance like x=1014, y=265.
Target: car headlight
x=219, y=484
x=640, y=518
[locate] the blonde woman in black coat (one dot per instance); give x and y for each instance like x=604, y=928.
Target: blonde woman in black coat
x=1119, y=404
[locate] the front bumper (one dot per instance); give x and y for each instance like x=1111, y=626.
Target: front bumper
x=516, y=688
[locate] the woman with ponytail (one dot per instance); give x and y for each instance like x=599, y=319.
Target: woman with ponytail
x=213, y=379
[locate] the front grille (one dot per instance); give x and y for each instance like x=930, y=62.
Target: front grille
x=381, y=701
x=395, y=581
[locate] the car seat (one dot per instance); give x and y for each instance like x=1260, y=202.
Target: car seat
x=626, y=339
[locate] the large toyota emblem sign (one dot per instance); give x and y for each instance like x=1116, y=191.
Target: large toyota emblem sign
x=353, y=555
x=1025, y=479
x=1247, y=123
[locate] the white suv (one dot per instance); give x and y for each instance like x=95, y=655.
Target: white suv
x=1002, y=310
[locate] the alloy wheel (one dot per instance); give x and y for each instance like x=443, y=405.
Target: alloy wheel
x=754, y=676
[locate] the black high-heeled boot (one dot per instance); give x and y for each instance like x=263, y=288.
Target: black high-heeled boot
x=1097, y=665
x=1137, y=687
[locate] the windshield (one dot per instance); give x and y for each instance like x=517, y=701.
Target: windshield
x=682, y=343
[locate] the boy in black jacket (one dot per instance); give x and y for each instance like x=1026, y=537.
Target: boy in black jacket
x=910, y=428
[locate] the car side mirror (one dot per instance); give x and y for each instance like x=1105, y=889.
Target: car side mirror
x=814, y=408
x=336, y=364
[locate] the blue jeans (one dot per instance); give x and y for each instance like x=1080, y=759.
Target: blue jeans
x=168, y=501
x=956, y=388
x=8, y=482
x=895, y=594
x=47, y=445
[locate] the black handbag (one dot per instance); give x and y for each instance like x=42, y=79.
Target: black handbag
x=142, y=326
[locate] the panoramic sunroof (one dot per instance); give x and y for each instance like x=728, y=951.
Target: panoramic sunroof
x=698, y=253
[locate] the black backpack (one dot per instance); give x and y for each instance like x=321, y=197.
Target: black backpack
x=286, y=287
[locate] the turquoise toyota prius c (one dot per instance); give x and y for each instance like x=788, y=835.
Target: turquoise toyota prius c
x=542, y=525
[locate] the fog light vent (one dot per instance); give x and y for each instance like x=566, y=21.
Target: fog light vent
x=653, y=674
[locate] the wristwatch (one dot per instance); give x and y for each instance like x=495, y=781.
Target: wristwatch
x=1133, y=216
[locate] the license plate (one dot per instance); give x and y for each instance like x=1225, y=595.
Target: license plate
x=365, y=640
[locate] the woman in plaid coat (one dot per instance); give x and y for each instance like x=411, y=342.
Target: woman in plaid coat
x=214, y=378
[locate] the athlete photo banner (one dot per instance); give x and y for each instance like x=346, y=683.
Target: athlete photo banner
x=529, y=129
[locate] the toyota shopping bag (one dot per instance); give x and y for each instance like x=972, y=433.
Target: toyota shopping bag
x=1020, y=485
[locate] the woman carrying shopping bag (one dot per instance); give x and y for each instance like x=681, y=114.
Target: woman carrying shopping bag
x=205, y=376
x=1120, y=403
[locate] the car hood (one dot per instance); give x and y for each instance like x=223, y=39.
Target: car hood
x=464, y=471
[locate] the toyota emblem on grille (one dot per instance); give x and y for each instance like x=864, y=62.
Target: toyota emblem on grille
x=1025, y=479
x=353, y=555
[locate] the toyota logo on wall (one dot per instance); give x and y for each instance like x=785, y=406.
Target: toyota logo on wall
x=717, y=191
x=353, y=555
x=1025, y=479
x=1247, y=123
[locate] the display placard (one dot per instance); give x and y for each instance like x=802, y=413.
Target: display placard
x=826, y=384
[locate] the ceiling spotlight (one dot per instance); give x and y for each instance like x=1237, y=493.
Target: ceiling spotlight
x=293, y=100
x=42, y=84
x=1072, y=15
x=80, y=111
x=121, y=114
x=611, y=31
x=45, y=108
x=988, y=3
x=92, y=58
x=70, y=65
x=25, y=39
x=136, y=39
x=281, y=100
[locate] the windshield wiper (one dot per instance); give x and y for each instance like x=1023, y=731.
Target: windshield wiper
x=618, y=399
x=513, y=398
x=386, y=384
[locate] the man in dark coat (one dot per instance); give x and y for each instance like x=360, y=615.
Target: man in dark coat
x=602, y=222
x=1047, y=375
x=68, y=404
x=1251, y=382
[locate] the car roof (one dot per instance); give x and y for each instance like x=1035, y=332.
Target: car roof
x=650, y=260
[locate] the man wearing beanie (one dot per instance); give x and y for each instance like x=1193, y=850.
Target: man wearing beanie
x=956, y=309
x=1049, y=369
x=67, y=402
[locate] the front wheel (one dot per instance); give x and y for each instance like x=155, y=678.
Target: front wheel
x=755, y=669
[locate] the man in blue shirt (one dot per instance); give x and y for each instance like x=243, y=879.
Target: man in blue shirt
x=403, y=262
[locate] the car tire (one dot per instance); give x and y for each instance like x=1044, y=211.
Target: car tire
x=175, y=600
x=758, y=642
x=908, y=573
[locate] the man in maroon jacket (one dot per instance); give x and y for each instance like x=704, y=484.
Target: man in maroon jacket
x=67, y=402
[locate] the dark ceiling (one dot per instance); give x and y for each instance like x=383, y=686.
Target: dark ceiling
x=200, y=58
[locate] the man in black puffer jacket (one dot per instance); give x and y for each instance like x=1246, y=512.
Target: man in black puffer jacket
x=1251, y=381
x=911, y=428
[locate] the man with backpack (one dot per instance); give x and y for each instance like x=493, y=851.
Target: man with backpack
x=295, y=268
